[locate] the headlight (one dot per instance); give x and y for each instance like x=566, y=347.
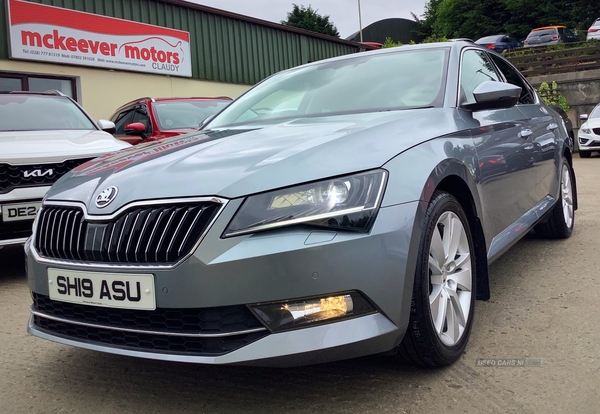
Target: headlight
x=349, y=202
x=585, y=131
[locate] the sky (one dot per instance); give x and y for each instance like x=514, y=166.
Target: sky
x=343, y=13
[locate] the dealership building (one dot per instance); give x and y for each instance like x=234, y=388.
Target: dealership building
x=104, y=53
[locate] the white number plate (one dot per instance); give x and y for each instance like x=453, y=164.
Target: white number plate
x=24, y=211
x=115, y=290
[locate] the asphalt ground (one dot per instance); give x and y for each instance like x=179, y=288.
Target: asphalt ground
x=535, y=348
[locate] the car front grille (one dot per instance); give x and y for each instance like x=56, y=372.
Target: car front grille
x=200, y=331
x=158, y=234
x=596, y=131
x=17, y=176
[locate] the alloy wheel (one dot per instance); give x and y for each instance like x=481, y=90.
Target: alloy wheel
x=450, y=278
x=566, y=188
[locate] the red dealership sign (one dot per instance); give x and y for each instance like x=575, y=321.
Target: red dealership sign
x=53, y=34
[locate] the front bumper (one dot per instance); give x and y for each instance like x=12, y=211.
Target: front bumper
x=588, y=142
x=276, y=266
x=17, y=232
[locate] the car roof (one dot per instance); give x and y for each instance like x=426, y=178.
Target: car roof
x=45, y=93
x=166, y=99
x=496, y=36
x=548, y=27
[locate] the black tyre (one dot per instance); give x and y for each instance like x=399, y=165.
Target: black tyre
x=561, y=220
x=585, y=154
x=443, y=300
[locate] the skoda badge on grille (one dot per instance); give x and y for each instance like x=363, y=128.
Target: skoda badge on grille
x=106, y=196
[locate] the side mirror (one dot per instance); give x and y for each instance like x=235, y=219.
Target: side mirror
x=583, y=117
x=107, y=126
x=494, y=95
x=206, y=121
x=136, y=128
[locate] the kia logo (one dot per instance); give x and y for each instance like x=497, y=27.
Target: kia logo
x=106, y=196
x=38, y=173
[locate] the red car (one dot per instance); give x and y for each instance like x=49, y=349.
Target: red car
x=151, y=119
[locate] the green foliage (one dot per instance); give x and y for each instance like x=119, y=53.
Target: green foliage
x=307, y=18
x=390, y=43
x=571, y=49
x=478, y=18
x=551, y=96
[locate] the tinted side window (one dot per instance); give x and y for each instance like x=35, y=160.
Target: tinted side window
x=121, y=119
x=513, y=77
x=141, y=115
x=475, y=69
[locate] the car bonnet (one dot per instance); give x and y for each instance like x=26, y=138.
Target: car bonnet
x=239, y=161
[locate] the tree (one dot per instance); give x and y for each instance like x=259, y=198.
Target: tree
x=477, y=18
x=307, y=18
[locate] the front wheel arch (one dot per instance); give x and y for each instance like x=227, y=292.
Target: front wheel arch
x=460, y=190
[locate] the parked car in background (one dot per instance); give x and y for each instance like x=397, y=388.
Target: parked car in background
x=589, y=133
x=550, y=35
x=151, y=119
x=336, y=209
x=594, y=30
x=42, y=137
x=499, y=42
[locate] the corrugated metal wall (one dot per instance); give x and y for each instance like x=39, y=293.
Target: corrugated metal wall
x=224, y=49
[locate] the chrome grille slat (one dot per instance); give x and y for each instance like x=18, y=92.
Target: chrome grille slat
x=77, y=248
x=120, y=238
x=162, y=237
x=176, y=232
x=131, y=236
x=152, y=235
x=147, y=235
x=187, y=233
x=64, y=247
x=142, y=232
x=52, y=236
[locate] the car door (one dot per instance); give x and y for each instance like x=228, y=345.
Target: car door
x=543, y=126
x=503, y=158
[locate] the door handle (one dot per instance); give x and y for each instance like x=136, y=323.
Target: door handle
x=552, y=127
x=525, y=133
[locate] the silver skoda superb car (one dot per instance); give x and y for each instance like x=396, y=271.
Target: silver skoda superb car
x=346, y=207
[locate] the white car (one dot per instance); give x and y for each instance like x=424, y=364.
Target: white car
x=594, y=30
x=42, y=136
x=589, y=133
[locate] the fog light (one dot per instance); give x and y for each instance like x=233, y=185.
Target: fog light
x=298, y=313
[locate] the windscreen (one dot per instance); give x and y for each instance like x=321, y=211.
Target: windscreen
x=596, y=112
x=186, y=113
x=538, y=33
x=365, y=82
x=38, y=113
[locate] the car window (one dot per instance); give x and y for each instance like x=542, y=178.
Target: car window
x=141, y=115
x=512, y=76
x=475, y=69
x=185, y=113
x=38, y=113
x=595, y=112
x=537, y=33
x=121, y=119
x=372, y=82
x=487, y=39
